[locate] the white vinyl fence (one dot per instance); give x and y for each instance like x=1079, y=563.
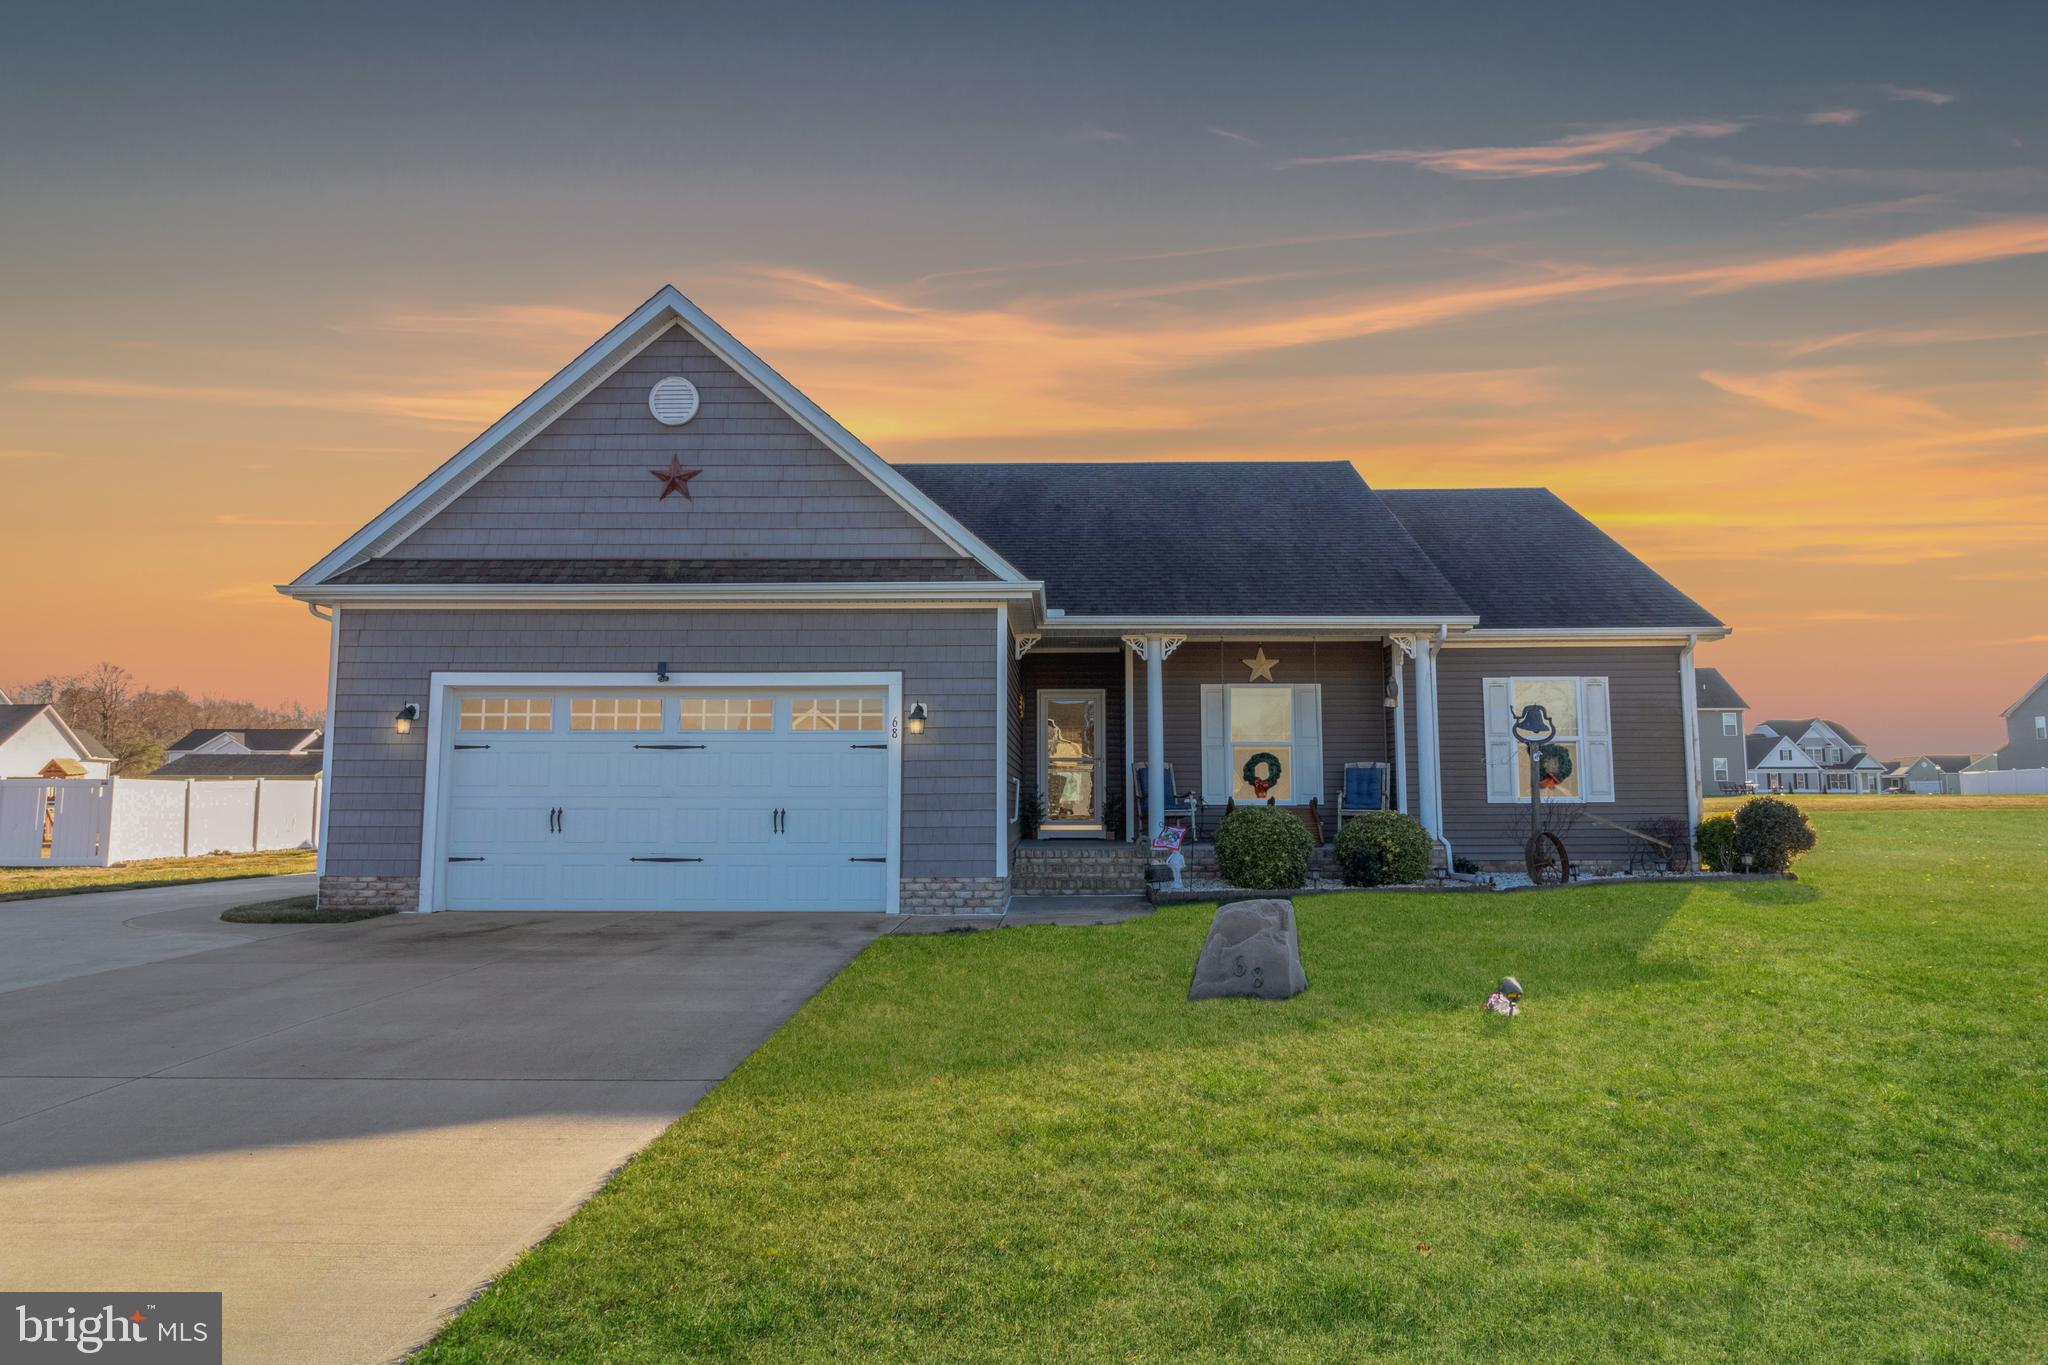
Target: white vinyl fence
x=96, y=822
x=2017, y=782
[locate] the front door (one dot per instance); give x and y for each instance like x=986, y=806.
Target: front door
x=1070, y=762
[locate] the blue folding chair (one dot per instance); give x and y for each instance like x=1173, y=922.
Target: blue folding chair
x=1365, y=788
x=1179, y=804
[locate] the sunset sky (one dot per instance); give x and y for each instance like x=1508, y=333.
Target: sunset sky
x=1763, y=291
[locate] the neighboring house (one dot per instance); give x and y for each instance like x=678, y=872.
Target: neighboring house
x=245, y=741
x=36, y=741
x=1843, y=759
x=1932, y=773
x=667, y=636
x=214, y=766
x=2026, y=730
x=1779, y=765
x=1724, y=765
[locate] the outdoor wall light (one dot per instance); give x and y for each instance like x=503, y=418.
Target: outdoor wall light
x=917, y=718
x=1393, y=695
x=661, y=671
x=407, y=714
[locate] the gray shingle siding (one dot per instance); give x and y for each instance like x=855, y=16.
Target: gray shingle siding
x=386, y=656
x=1644, y=701
x=2022, y=749
x=580, y=488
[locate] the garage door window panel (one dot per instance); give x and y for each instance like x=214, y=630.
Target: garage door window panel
x=810, y=714
x=508, y=713
x=728, y=714
x=615, y=713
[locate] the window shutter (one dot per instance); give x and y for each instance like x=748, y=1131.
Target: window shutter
x=1596, y=747
x=1216, y=783
x=1308, y=743
x=1500, y=741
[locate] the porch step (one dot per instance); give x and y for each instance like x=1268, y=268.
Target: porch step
x=1077, y=867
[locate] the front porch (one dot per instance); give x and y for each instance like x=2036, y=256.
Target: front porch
x=1233, y=721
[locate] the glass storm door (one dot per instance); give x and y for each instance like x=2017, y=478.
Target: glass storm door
x=1070, y=762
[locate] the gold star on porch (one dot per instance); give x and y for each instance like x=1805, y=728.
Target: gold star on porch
x=1260, y=665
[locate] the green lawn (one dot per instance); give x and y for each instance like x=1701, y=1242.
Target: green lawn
x=1771, y=1120
x=22, y=883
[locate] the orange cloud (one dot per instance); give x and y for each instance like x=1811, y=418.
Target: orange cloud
x=1573, y=155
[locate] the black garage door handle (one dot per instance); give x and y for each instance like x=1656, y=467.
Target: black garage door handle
x=867, y=746
x=668, y=746
x=465, y=860
x=666, y=860
x=867, y=860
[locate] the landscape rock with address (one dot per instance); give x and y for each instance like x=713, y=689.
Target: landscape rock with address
x=1252, y=950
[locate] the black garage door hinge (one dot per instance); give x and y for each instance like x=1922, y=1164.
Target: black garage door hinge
x=666, y=860
x=668, y=746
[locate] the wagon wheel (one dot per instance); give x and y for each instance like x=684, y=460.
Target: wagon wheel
x=1545, y=858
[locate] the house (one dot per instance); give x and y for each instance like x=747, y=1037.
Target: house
x=1723, y=761
x=1780, y=765
x=1844, y=760
x=1932, y=773
x=667, y=636
x=216, y=740
x=36, y=741
x=2026, y=730
x=213, y=766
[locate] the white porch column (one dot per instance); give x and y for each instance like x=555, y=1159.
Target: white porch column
x=1155, y=733
x=1429, y=789
x=1397, y=651
x=1154, y=649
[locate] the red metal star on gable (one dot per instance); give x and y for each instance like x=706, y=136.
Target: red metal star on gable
x=675, y=479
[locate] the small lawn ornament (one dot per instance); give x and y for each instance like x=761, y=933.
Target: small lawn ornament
x=1550, y=764
x=1506, y=998
x=1169, y=841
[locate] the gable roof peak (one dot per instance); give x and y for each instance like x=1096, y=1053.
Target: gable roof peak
x=666, y=308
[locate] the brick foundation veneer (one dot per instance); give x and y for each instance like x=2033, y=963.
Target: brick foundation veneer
x=369, y=893
x=1077, y=867
x=954, y=895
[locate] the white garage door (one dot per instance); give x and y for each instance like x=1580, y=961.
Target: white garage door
x=666, y=799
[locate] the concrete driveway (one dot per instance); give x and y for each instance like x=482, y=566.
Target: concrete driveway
x=347, y=1129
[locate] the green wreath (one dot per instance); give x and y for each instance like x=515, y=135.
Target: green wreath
x=1553, y=765
x=1250, y=772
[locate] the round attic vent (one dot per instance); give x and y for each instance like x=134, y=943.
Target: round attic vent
x=673, y=401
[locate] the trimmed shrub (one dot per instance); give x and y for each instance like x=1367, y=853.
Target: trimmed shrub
x=1716, y=838
x=1382, y=848
x=1772, y=833
x=1263, y=848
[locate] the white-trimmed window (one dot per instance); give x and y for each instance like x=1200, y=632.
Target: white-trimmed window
x=1721, y=768
x=1841, y=782
x=728, y=713
x=615, y=713
x=1579, y=708
x=1731, y=724
x=1241, y=722
x=508, y=713
x=835, y=713
x=2041, y=727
